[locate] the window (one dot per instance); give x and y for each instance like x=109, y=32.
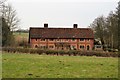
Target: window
x=73, y=39
x=88, y=39
x=42, y=39
x=51, y=47
x=43, y=47
x=58, y=39
x=88, y=47
x=61, y=40
x=67, y=39
x=81, y=47
x=81, y=39
x=36, y=46
x=74, y=47
x=51, y=39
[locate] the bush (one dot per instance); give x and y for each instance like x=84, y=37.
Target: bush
x=89, y=54
x=49, y=52
x=60, y=52
x=9, y=49
x=39, y=51
x=72, y=52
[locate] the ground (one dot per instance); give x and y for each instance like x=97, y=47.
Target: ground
x=15, y=65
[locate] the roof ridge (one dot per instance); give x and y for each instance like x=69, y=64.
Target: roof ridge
x=55, y=28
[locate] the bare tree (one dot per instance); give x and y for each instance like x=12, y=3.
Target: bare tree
x=106, y=29
x=99, y=28
x=10, y=15
x=9, y=23
x=2, y=7
x=112, y=29
x=2, y=2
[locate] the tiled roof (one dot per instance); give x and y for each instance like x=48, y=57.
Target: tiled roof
x=61, y=33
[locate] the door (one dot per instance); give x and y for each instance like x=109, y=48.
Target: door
x=88, y=47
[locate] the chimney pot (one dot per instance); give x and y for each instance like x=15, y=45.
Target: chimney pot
x=45, y=25
x=75, y=25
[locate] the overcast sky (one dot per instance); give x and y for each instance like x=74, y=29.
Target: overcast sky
x=61, y=13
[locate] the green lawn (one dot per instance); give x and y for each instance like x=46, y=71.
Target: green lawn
x=46, y=66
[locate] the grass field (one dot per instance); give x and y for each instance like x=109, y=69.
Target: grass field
x=46, y=66
x=22, y=34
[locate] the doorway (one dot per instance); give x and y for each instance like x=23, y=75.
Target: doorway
x=88, y=47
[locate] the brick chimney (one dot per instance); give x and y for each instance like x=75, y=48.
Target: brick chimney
x=75, y=25
x=45, y=25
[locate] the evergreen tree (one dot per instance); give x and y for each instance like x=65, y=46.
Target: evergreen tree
x=7, y=36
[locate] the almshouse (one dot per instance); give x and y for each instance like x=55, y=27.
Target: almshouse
x=61, y=38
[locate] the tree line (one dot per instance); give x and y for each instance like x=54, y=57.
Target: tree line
x=107, y=29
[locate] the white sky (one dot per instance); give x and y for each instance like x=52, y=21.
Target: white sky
x=61, y=13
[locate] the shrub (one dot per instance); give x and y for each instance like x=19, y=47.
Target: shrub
x=89, y=54
x=70, y=53
x=33, y=51
x=61, y=52
x=39, y=51
x=49, y=52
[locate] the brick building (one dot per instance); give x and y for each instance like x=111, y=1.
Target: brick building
x=61, y=38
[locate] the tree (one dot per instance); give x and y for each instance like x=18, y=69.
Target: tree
x=1, y=3
x=10, y=16
x=112, y=30
x=7, y=36
x=99, y=28
x=108, y=29
x=118, y=17
x=9, y=23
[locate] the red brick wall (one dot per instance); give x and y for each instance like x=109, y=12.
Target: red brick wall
x=75, y=43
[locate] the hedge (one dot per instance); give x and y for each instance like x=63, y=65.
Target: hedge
x=60, y=52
